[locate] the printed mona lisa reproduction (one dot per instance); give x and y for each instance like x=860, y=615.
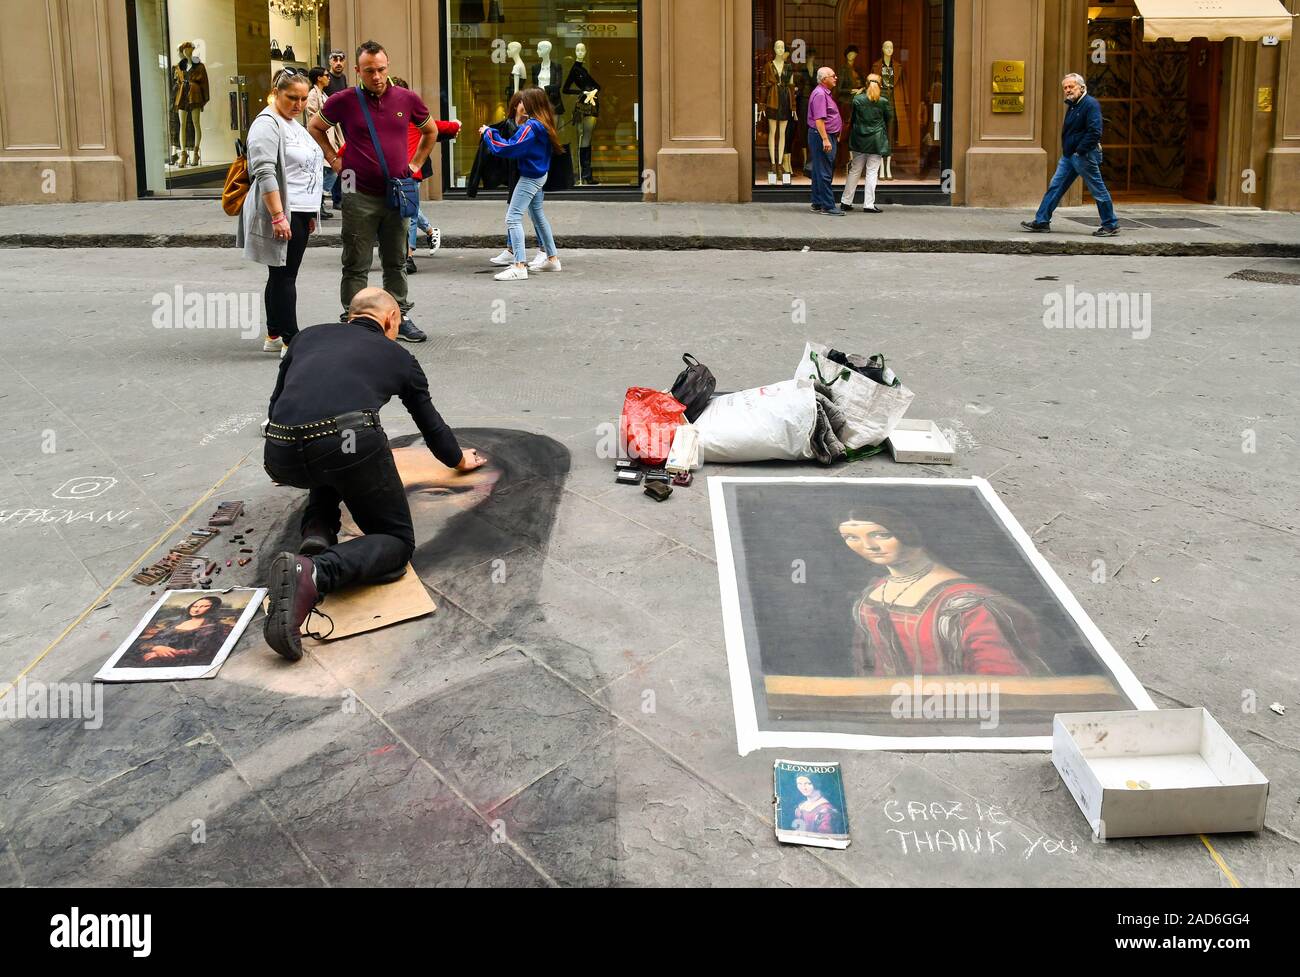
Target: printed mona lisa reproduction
x=809, y=800
x=899, y=613
x=186, y=634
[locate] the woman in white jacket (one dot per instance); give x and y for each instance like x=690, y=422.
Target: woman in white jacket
x=279, y=213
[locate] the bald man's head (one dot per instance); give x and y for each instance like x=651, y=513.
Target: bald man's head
x=374, y=302
x=378, y=305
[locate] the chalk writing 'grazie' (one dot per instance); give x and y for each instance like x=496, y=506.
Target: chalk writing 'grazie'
x=973, y=839
x=898, y=811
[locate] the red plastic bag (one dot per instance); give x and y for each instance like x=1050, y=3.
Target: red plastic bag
x=649, y=420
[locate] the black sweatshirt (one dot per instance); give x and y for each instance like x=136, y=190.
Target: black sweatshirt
x=340, y=367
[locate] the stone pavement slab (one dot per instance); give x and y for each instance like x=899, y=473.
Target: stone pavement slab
x=565, y=717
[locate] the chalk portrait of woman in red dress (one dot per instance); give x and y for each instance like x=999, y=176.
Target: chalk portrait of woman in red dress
x=920, y=617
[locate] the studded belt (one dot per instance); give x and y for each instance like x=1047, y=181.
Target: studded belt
x=319, y=429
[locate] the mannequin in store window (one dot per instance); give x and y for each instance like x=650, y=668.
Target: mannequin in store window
x=548, y=77
x=585, y=110
x=851, y=82
x=778, y=108
x=893, y=86
x=190, y=95
x=518, y=70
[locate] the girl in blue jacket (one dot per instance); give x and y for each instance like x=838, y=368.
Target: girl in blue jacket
x=530, y=147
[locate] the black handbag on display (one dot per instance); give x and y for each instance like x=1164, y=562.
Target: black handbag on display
x=693, y=387
x=288, y=54
x=276, y=53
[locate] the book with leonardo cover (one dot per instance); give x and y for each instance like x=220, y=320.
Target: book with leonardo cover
x=809, y=800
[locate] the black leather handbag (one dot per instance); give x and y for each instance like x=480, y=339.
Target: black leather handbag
x=694, y=387
x=276, y=53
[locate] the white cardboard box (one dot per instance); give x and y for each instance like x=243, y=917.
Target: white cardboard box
x=920, y=442
x=1161, y=772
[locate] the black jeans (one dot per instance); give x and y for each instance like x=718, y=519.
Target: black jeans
x=281, y=295
x=366, y=479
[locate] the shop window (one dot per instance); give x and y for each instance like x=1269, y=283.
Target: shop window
x=205, y=69
x=901, y=40
x=586, y=57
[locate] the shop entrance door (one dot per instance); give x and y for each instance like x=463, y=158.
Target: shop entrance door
x=1205, y=59
x=1160, y=106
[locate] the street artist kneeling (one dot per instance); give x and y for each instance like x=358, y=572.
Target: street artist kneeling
x=323, y=435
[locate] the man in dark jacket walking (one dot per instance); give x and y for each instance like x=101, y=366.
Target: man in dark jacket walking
x=1080, y=157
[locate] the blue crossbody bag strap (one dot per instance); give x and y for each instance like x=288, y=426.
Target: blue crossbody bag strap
x=403, y=193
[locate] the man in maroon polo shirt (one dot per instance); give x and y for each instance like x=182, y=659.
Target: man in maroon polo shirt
x=367, y=218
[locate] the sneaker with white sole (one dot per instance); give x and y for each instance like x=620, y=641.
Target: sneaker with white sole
x=512, y=274
x=506, y=257
x=537, y=261
x=272, y=344
x=546, y=264
x=435, y=240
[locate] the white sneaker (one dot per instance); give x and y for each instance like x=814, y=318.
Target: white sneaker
x=538, y=261
x=506, y=257
x=435, y=240
x=512, y=274
x=270, y=345
x=546, y=264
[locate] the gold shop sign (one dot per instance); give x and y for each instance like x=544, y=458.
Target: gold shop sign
x=1008, y=103
x=1008, y=77
x=1264, y=99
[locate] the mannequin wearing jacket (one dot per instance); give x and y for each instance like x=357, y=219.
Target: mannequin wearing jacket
x=190, y=94
x=778, y=109
x=547, y=76
x=893, y=85
x=586, y=109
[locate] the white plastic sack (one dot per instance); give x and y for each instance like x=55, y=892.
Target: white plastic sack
x=871, y=410
x=765, y=423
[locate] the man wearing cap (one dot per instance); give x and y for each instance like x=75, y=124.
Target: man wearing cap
x=326, y=438
x=338, y=80
x=367, y=217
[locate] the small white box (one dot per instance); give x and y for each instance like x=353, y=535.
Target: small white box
x=1157, y=772
x=920, y=442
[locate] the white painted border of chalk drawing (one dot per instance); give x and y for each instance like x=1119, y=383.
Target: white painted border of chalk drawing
x=749, y=737
x=108, y=673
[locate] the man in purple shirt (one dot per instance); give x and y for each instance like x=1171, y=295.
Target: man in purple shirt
x=823, y=139
x=367, y=218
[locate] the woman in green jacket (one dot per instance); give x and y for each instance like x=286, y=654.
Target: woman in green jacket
x=868, y=144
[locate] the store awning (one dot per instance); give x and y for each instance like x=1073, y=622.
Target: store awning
x=1216, y=20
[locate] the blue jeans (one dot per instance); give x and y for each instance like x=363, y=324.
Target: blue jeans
x=823, y=169
x=1087, y=166
x=418, y=223
x=528, y=196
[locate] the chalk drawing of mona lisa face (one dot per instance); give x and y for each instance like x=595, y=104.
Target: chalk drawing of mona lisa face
x=485, y=531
